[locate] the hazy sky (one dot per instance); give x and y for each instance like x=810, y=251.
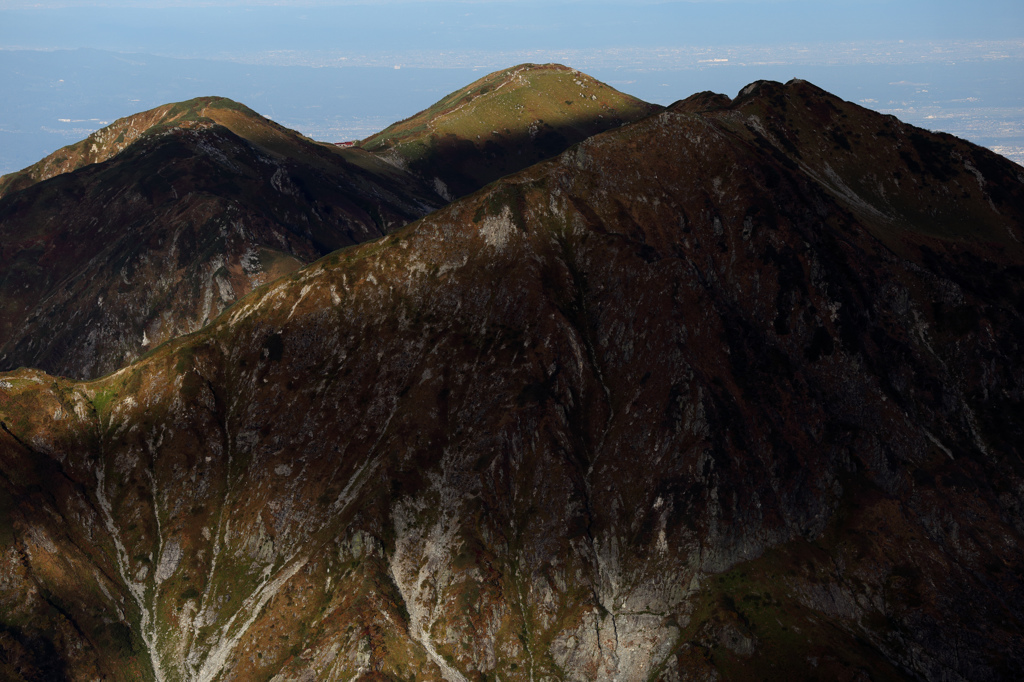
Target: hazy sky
x=945, y=64
x=227, y=28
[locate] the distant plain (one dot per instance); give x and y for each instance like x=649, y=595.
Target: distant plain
x=344, y=70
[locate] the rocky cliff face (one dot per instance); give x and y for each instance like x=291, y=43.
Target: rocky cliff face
x=731, y=392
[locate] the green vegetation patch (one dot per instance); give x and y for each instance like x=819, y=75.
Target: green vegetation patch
x=101, y=401
x=189, y=593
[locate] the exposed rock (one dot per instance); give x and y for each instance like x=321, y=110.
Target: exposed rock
x=169, y=559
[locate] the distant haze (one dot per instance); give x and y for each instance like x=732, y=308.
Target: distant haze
x=209, y=28
x=346, y=69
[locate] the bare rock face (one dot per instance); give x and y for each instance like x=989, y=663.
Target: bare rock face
x=733, y=392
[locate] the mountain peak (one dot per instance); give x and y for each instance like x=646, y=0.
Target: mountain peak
x=502, y=123
x=111, y=140
x=151, y=226
x=891, y=174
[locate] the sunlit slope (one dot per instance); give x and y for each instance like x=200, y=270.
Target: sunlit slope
x=502, y=123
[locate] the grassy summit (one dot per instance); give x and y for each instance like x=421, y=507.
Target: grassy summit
x=504, y=122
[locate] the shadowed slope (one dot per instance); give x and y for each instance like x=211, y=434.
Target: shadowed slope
x=168, y=217
x=503, y=123
x=895, y=177
x=115, y=138
x=666, y=407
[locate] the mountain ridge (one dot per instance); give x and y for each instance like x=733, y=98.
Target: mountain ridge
x=502, y=123
x=666, y=406
x=334, y=196
x=114, y=138
x=153, y=234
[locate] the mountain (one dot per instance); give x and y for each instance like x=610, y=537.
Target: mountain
x=152, y=226
x=731, y=392
x=502, y=123
x=201, y=112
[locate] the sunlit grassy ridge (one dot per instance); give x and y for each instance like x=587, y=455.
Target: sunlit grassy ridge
x=509, y=101
x=503, y=123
